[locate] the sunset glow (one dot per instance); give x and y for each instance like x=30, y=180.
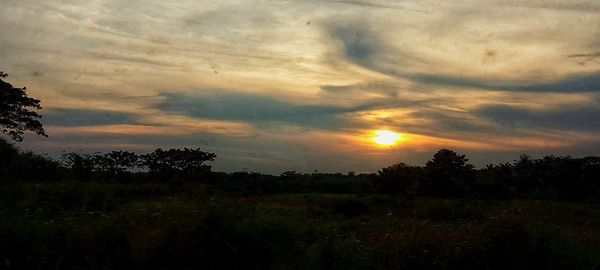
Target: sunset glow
x=305, y=85
x=386, y=137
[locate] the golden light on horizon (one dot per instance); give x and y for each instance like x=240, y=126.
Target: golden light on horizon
x=386, y=137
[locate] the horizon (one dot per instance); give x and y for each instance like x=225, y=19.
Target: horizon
x=477, y=166
x=328, y=86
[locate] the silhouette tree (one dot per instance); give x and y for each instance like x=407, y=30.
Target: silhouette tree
x=82, y=166
x=15, y=115
x=8, y=155
x=178, y=162
x=399, y=178
x=116, y=163
x=494, y=181
x=448, y=173
x=25, y=165
x=527, y=179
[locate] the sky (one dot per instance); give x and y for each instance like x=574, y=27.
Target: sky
x=278, y=85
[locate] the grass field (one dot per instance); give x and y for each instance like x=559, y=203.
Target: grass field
x=74, y=225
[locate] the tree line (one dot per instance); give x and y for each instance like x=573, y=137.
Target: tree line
x=114, y=166
x=447, y=174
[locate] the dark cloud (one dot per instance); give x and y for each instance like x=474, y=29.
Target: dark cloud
x=584, y=55
x=384, y=88
x=573, y=84
x=585, y=58
x=256, y=109
x=448, y=124
x=359, y=43
x=78, y=117
x=585, y=6
x=564, y=118
x=367, y=46
x=125, y=58
x=444, y=122
x=457, y=125
x=363, y=44
x=372, y=4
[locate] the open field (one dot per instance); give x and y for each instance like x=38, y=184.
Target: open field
x=75, y=225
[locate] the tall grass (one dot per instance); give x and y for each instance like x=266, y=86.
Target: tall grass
x=74, y=225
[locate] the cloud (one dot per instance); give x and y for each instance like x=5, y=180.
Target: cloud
x=430, y=127
x=444, y=122
x=584, y=118
x=81, y=117
x=585, y=58
x=377, y=4
x=364, y=43
x=584, y=55
x=382, y=88
x=572, y=5
x=256, y=109
x=358, y=42
x=572, y=84
x=125, y=58
x=340, y=67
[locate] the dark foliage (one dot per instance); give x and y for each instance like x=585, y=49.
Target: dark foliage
x=108, y=211
x=16, y=165
x=16, y=117
x=80, y=166
x=448, y=173
x=178, y=163
x=118, y=162
x=350, y=208
x=77, y=225
x=399, y=179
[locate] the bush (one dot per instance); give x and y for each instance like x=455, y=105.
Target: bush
x=350, y=208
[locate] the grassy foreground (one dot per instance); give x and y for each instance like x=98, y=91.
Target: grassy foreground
x=74, y=225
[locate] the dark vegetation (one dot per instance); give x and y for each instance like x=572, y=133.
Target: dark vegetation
x=168, y=210
x=447, y=175
x=15, y=115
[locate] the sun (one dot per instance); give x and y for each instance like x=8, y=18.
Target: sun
x=386, y=137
